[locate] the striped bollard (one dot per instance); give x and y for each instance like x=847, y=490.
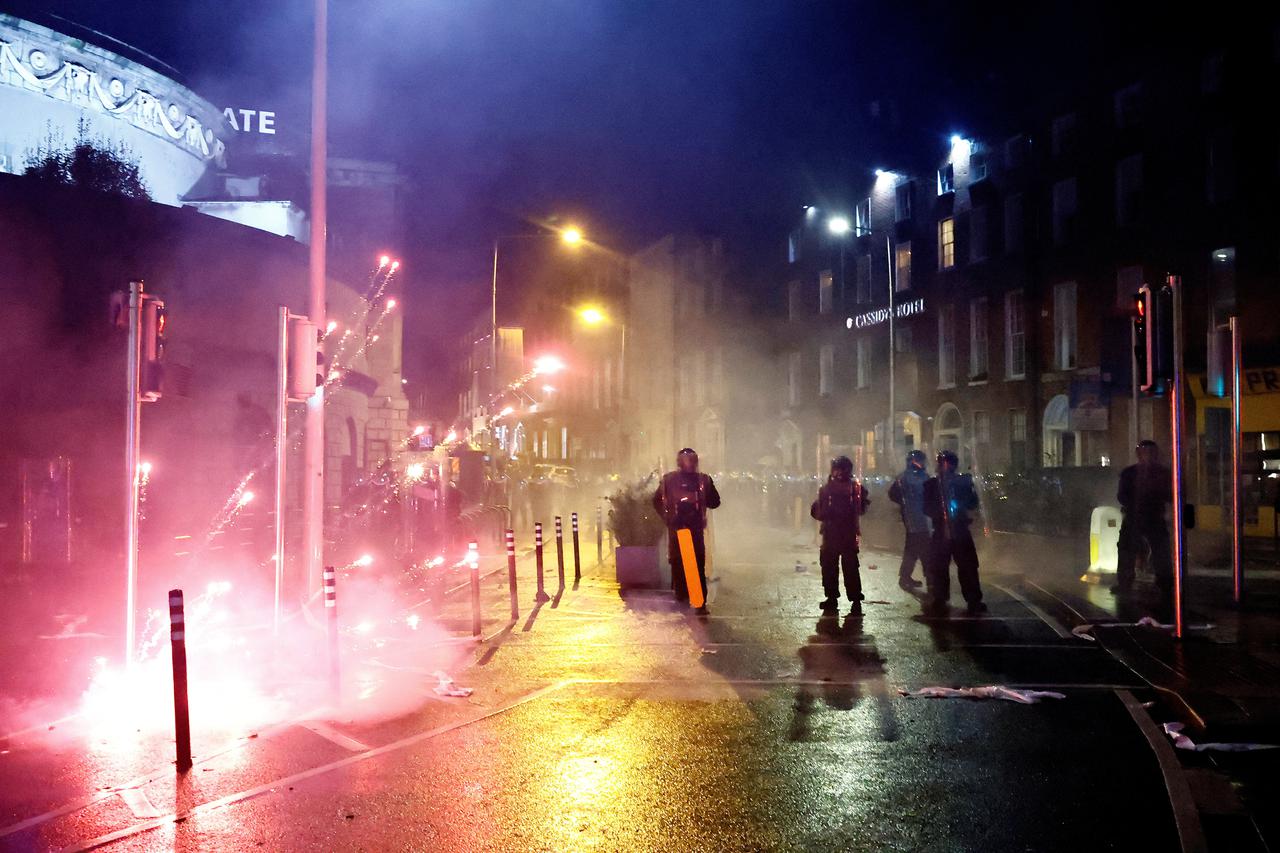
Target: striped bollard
x=181, y=710
x=560, y=549
x=537, y=556
x=511, y=574
x=599, y=535
x=577, y=554
x=331, y=622
x=473, y=564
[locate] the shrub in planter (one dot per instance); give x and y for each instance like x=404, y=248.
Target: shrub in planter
x=637, y=529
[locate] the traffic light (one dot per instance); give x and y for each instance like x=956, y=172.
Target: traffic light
x=1155, y=362
x=305, y=359
x=1140, y=337
x=152, y=332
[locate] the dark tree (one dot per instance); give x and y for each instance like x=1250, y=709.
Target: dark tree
x=90, y=164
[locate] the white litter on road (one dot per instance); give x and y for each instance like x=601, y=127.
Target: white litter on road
x=446, y=687
x=991, y=691
x=1085, y=632
x=1181, y=741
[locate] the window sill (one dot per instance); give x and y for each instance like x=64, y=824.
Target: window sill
x=973, y=382
x=1021, y=378
x=947, y=387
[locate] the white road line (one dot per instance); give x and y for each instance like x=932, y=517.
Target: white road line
x=258, y=791
x=330, y=734
x=139, y=803
x=1058, y=628
x=1181, y=800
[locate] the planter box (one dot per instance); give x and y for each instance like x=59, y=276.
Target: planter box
x=639, y=566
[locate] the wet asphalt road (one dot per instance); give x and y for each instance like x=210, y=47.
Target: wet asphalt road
x=616, y=722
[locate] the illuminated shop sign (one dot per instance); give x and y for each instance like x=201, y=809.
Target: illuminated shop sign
x=881, y=315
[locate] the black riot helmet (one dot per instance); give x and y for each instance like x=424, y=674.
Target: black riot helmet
x=842, y=468
x=948, y=458
x=916, y=459
x=687, y=460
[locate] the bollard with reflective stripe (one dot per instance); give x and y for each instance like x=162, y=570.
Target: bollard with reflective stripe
x=577, y=554
x=181, y=710
x=599, y=535
x=331, y=623
x=560, y=549
x=473, y=564
x=511, y=574
x=537, y=556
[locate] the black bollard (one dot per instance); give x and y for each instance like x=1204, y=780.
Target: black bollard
x=537, y=553
x=560, y=549
x=473, y=564
x=181, y=710
x=331, y=613
x=511, y=574
x=577, y=555
x=599, y=535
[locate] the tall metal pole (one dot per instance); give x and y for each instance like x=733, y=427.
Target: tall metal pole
x=893, y=403
x=133, y=417
x=313, y=437
x=1176, y=406
x=493, y=329
x=282, y=451
x=1237, y=497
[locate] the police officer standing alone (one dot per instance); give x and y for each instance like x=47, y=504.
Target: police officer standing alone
x=1145, y=489
x=682, y=499
x=949, y=497
x=840, y=503
x=907, y=492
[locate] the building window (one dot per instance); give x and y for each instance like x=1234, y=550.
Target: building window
x=1013, y=223
x=826, y=367
x=902, y=267
x=1064, y=325
x=978, y=230
x=793, y=247
x=825, y=292
x=864, y=362
x=1064, y=210
x=1018, y=439
x=1128, y=189
x=946, y=180
x=862, y=218
x=1127, y=104
x=795, y=299
x=700, y=378
x=947, y=347
x=793, y=380
x=1064, y=135
x=978, y=339
x=902, y=339
x=863, y=283
x=981, y=427
x=1015, y=152
x=946, y=243
x=1128, y=282
x=977, y=165
x=1015, y=336
x=902, y=201
x=717, y=375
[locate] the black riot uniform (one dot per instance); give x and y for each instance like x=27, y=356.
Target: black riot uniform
x=949, y=498
x=1145, y=490
x=682, y=499
x=841, y=502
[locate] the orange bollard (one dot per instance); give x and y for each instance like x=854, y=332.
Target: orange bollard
x=684, y=537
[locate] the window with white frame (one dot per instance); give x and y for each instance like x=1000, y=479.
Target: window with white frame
x=947, y=347
x=795, y=300
x=826, y=370
x=946, y=243
x=1018, y=439
x=946, y=180
x=1064, y=210
x=977, y=165
x=902, y=267
x=863, y=348
x=1128, y=282
x=793, y=247
x=1013, y=222
x=1015, y=336
x=902, y=201
x=863, y=284
x=825, y=292
x=1128, y=189
x=1064, y=325
x=794, y=365
x=981, y=427
x=902, y=339
x=978, y=346
x=978, y=233
x=862, y=218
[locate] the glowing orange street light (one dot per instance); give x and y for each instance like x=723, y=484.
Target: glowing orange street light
x=544, y=364
x=571, y=235
x=591, y=316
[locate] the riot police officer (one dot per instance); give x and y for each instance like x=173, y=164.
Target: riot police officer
x=841, y=501
x=949, y=498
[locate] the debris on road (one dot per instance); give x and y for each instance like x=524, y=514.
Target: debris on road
x=1181, y=741
x=1085, y=632
x=990, y=691
x=446, y=687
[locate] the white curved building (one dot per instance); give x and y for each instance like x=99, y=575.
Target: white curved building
x=50, y=83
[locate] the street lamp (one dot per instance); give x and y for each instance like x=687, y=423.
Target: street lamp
x=593, y=316
x=839, y=225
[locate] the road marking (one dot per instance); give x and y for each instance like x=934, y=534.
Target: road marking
x=1057, y=627
x=251, y=793
x=1185, y=816
x=328, y=733
x=139, y=803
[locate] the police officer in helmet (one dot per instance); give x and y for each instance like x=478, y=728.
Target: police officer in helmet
x=841, y=501
x=949, y=498
x=682, y=499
